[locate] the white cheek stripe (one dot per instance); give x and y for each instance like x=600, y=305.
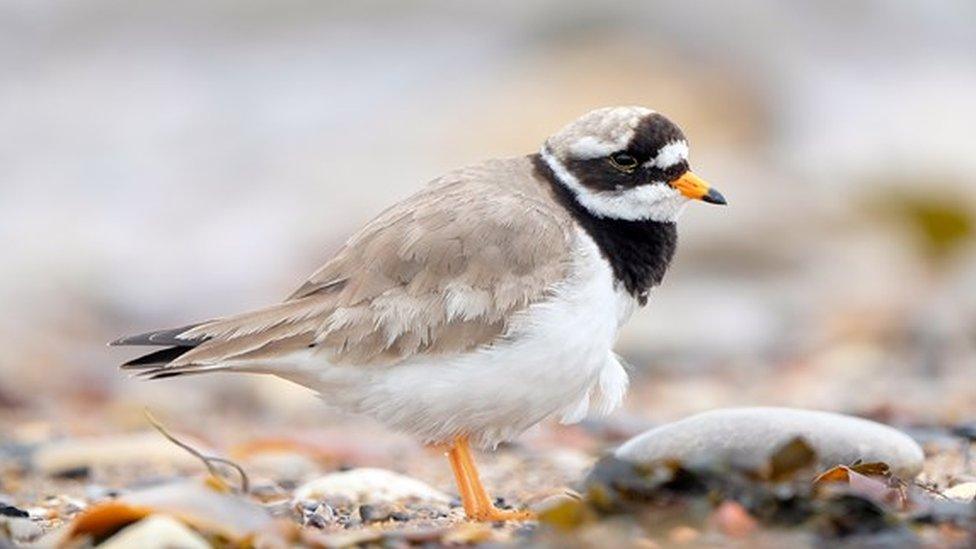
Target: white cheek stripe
x=646, y=202
x=669, y=155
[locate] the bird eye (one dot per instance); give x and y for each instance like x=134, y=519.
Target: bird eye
x=623, y=161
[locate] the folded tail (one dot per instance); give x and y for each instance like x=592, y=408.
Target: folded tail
x=154, y=365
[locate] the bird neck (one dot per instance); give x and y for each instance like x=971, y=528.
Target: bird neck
x=639, y=252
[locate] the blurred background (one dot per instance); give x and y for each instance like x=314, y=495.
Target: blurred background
x=165, y=162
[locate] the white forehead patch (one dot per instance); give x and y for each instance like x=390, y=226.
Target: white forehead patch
x=673, y=153
x=645, y=202
x=598, y=133
x=589, y=147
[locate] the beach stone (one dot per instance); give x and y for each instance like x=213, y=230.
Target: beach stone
x=20, y=529
x=965, y=492
x=749, y=436
x=158, y=531
x=71, y=455
x=196, y=504
x=376, y=512
x=367, y=485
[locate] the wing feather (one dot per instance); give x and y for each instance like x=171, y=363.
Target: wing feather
x=441, y=272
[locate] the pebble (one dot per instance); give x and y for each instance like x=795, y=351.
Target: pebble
x=158, y=531
x=71, y=456
x=733, y=520
x=11, y=511
x=681, y=535
x=320, y=516
x=196, y=503
x=966, y=431
x=21, y=530
x=965, y=492
x=228, y=514
x=375, y=512
x=562, y=512
x=469, y=533
x=368, y=486
x=81, y=472
x=749, y=436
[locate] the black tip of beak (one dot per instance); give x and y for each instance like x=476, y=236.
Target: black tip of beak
x=714, y=197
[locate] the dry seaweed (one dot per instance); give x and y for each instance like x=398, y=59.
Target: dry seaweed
x=208, y=461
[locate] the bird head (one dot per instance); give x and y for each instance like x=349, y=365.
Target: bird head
x=627, y=163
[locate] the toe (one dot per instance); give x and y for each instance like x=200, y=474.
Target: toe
x=494, y=514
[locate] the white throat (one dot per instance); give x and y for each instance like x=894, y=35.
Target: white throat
x=644, y=203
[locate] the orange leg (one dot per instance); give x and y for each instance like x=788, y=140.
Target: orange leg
x=468, y=499
x=477, y=502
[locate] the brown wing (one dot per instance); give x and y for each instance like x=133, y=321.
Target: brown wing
x=440, y=272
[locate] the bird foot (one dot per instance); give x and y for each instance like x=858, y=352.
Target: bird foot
x=494, y=514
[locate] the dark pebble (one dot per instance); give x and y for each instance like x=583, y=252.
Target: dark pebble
x=287, y=484
x=400, y=516
x=316, y=521
x=74, y=473
x=320, y=516
x=966, y=431
x=11, y=511
x=374, y=513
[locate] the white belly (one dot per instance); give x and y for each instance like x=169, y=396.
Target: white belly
x=556, y=358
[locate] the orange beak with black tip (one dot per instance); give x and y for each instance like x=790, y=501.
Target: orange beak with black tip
x=695, y=187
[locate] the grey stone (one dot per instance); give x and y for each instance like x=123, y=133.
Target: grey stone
x=320, y=516
x=377, y=512
x=748, y=436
